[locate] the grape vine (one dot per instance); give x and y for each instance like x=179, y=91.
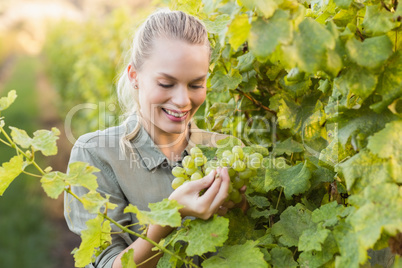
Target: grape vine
x=315, y=88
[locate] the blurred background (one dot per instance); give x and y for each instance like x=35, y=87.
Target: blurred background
x=57, y=55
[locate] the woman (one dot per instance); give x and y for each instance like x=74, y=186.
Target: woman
x=160, y=90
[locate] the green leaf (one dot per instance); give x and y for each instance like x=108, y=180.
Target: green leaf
x=45, y=141
x=288, y=147
x=351, y=252
x=222, y=82
x=377, y=20
x=80, y=174
x=241, y=228
x=54, y=183
x=258, y=201
x=162, y=213
x=345, y=4
x=245, y=62
x=327, y=214
x=127, y=260
x=294, y=180
x=380, y=213
x=5, y=102
x=356, y=80
x=389, y=85
x=9, y=171
x=310, y=46
x=237, y=256
x=266, y=7
x=371, y=53
x=286, y=229
x=219, y=25
x=365, y=168
x=94, y=238
x=316, y=259
x=228, y=143
x=204, y=236
x=238, y=31
x=93, y=202
x=20, y=137
x=266, y=35
x=387, y=142
x=313, y=238
x=209, y=152
x=282, y=258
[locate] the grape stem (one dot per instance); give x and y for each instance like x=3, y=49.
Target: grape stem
x=256, y=102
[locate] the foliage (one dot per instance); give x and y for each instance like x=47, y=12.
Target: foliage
x=318, y=84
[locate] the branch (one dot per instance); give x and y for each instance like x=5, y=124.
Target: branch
x=256, y=102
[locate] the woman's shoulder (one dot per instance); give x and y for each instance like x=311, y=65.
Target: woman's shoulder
x=101, y=138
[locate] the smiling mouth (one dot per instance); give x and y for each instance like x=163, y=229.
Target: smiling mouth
x=175, y=114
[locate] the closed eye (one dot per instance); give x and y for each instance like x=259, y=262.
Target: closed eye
x=165, y=85
x=195, y=86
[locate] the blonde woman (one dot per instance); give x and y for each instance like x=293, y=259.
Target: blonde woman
x=160, y=90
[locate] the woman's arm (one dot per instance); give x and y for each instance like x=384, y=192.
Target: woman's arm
x=203, y=207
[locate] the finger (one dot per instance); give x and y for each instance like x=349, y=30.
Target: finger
x=211, y=192
x=203, y=183
x=223, y=190
x=243, y=189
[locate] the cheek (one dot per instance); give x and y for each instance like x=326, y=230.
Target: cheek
x=199, y=98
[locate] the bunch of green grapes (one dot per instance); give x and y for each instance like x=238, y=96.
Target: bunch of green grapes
x=241, y=167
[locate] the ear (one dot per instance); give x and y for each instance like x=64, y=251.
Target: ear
x=132, y=75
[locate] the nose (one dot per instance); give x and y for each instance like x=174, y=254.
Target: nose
x=181, y=97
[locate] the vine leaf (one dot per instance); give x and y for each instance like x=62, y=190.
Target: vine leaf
x=43, y=140
x=265, y=36
x=94, y=239
x=5, y=102
x=313, y=238
x=315, y=259
x=286, y=230
x=389, y=82
x=204, y=236
x=162, y=213
x=80, y=174
x=282, y=258
x=222, y=82
x=387, y=142
x=266, y=7
x=294, y=180
x=371, y=53
x=9, y=171
x=239, y=30
x=93, y=202
x=365, y=168
x=237, y=256
x=288, y=147
x=377, y=20
x=127, y=260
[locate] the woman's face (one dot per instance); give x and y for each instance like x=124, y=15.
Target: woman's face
x=172, y=85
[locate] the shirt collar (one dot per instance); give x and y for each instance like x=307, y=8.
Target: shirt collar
x=150, y=153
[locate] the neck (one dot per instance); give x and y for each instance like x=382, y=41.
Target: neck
x=171, y=145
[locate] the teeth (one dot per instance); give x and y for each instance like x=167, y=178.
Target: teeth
x=176, y=114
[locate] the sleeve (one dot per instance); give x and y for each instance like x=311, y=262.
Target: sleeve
x=76, y=216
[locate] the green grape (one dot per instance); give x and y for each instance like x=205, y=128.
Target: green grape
x=212, y=163
x=230, y=187
x=191, y=171
x=195, y=152
x=179, y=172
x=239, y=165
x=177, y=182
x=199, y=161
x=188, y=162
x=226, y=153
x=237, y=150
x=245, y=174
x=237, y=182
x=235, y=196
x=196, y=176
x=254, y=161
x=231, y=172
x=224, y=162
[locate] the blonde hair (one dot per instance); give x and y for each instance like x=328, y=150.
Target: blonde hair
x=164, y=23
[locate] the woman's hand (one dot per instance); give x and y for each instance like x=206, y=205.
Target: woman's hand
x=209, y=203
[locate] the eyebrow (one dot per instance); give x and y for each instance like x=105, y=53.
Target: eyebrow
x=174, y=78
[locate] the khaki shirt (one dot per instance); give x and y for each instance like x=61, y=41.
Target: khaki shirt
x=139, y=177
